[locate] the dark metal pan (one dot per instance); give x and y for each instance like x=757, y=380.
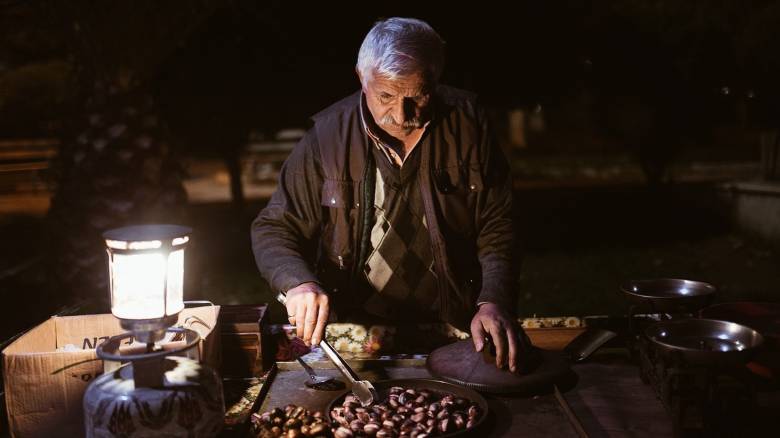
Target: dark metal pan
x=540, y=370
x=383, y=388
x=764, y=317
x=706, y=342
x=669, y=294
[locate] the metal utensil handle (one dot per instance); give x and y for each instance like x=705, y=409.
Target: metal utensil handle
x=308, y=369
x=340, y=363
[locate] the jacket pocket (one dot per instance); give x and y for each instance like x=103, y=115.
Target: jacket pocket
x=457, y=188
x=340, y=215
x=337, y=194
x=474, y=181
x=334, y=271
x=458, y=179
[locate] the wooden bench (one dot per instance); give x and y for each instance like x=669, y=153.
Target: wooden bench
x=24, y=163
x=27, y=155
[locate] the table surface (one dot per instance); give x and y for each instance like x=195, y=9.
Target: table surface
x=609, y=399
x=509, y=416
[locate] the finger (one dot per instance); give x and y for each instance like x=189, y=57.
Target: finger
x=292, y=306
x=309, y=322
x=499, y=340
x=513, y=348
x=322, y=319
x=300, y=317
x=478, y=334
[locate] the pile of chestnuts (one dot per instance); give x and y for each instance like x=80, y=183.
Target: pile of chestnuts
x=290, y=422
x=404, y=413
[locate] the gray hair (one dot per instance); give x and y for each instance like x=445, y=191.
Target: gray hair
x=399, y=47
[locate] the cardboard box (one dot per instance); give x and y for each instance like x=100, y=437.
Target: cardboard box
x=44, y=384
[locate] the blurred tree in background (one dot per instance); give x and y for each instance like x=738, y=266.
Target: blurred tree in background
x=117, y=165
x=110, y=80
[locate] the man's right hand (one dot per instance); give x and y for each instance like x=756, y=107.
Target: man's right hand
x=308, y=308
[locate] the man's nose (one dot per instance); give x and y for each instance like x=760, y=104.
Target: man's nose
x=409, y=109
x=398, y=112
x=404, y=111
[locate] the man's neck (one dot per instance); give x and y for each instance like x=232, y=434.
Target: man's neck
x=402, y=142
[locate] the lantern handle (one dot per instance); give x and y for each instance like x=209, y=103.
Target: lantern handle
x=109, y=350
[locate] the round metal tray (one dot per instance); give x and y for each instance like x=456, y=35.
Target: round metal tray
x=669, y=294
x=761, y=316
x=707, y=342
x=383, y=387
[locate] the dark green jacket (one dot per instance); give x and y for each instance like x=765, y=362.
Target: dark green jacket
x=313, y=227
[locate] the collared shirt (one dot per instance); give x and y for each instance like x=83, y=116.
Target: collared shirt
x=399, y=267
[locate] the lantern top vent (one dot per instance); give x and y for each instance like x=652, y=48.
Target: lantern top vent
x=163, y=233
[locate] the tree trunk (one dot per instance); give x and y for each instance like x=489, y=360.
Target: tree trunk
x=115, y=169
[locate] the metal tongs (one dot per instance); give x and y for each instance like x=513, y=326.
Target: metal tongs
x=363, y=389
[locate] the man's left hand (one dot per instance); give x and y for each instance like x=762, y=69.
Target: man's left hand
x=491, y=320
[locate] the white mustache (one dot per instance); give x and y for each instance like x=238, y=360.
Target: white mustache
x=414, y=122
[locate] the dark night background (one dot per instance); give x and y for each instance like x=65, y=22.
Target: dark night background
x=630, y=120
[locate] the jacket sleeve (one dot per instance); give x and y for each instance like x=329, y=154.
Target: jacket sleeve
x=495, y=229
x=284, y=234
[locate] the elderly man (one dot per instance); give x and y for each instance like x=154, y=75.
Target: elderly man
x=396, y=204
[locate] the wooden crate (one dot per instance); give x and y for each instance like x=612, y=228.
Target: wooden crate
x=553, y=338
x=241, y=330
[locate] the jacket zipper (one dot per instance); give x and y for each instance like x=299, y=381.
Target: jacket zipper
x=433, y=229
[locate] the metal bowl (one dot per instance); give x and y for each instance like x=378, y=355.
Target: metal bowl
x=763, y=317
x=669, y=294
x=707, y=342
x=383, y=388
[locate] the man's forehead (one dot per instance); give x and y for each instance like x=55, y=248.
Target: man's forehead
x=411, y=82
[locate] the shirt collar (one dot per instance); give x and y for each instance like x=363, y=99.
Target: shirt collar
x=368, y=122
